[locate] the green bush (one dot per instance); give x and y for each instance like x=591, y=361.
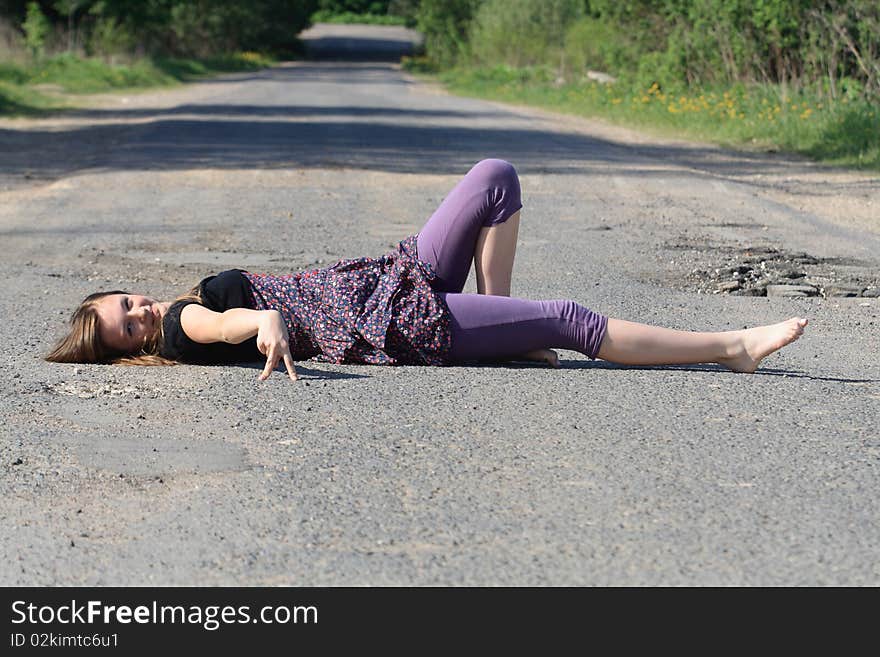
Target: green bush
x=13, y=73
x=445, y=24
x=202, y=27
x=36, y=28
x=521, y=32
x=678, y=43
x=332, y=7
x=406, y=9
x=348, y=17
x=591, y=43
x=108, y=37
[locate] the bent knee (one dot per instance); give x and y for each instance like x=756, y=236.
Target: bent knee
x=495, y=172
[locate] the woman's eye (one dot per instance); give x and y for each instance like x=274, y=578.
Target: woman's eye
x=129, y=329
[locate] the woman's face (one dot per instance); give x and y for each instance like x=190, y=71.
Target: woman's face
x=127, y=320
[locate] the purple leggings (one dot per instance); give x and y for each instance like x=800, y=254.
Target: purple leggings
x=485, y=326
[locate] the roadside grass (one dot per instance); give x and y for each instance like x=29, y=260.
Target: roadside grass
x=36, y=87
x=755, y=117
x=348, y=17
x=16, y=100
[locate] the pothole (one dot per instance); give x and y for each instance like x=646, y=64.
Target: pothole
x=768, y=270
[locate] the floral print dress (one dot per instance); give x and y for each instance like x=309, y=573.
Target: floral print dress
x=381, y=311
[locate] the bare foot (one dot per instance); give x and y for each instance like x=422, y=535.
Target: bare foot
x=543, y=356
x=753, y=345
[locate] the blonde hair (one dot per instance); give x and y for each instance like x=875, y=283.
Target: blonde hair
x=83, y=343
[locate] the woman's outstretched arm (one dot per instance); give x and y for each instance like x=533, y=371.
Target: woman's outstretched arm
x=233, y=326
x=239, y=324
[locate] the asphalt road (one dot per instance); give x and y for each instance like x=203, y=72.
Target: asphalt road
x=508, y=474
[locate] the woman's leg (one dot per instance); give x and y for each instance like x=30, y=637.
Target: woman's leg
x=494, y=255
x=495, y=327
x=630, y=343
x=475, y=210
x=478, y=221
x=498, y=327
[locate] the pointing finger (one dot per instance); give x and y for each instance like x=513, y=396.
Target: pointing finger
x=291, y=368
x=271, y=361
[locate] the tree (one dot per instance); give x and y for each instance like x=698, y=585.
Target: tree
x=36, y=28
x=69, y=8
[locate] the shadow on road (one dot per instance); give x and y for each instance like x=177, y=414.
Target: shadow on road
x=210, y=112
x=763, y=371
x=346, y=49
x=281, y=136
x=304, y=373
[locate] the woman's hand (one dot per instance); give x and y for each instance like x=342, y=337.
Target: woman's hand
x=272, y=342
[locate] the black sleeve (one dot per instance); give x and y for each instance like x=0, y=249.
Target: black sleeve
x=219, y=293
x=228, y=289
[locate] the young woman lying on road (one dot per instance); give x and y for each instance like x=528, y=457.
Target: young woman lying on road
x=406, y=307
